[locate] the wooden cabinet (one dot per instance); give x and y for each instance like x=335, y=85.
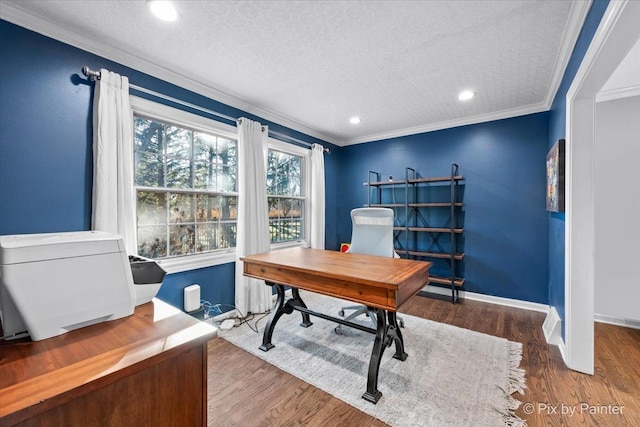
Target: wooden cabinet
x=146, y=369
x=428, y=220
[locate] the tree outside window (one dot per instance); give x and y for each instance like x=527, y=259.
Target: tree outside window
x=186, y=189
x=285, y=196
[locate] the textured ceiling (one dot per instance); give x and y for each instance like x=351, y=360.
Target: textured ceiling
x=311, y=65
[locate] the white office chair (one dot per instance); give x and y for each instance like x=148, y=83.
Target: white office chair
x=372, y=234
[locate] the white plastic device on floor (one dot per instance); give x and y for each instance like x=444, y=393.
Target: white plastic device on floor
x=227, y=324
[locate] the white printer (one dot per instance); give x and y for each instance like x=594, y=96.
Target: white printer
x=57, y=282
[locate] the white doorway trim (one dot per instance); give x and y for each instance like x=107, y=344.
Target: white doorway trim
x=617, y=33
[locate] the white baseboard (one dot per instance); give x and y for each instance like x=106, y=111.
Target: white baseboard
x=552, y=327
x=562, y=351
x=508, y=302
x=526, y=305
x=627, y=323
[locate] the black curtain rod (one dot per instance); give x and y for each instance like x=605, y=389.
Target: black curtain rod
x=95, y=75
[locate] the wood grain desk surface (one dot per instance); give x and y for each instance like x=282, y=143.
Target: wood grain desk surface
x=370, y=280
x=35, y=376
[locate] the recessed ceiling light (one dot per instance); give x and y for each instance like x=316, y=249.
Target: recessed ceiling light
x=354, y=120
x=466, y=95
x=163, y=10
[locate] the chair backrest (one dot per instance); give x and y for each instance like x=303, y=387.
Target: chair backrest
x=372, y=232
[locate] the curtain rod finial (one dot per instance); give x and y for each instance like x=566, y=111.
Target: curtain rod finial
x=93, y=75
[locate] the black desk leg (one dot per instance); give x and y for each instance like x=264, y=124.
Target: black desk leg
x=278, y=310
x=306, y=321
x=373, y=394
x=394, y=332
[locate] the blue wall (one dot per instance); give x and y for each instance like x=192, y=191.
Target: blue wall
x=505, y=239
x=557, y=121
x=46, y=158
x=216, y=285
x=46, y=147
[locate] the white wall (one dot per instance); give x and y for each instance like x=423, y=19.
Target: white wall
x=617, y=209
x=628, y=72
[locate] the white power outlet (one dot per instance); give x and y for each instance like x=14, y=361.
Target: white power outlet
x=192, y=298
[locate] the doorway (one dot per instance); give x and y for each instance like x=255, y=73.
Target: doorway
x=616, y=35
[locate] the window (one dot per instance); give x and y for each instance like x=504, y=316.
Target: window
x=185, y=187
x=185, y=181
x=286, y=196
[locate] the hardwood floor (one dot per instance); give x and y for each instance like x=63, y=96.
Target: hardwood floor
x=246, y=391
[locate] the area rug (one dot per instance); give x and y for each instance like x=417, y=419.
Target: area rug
x=452, y=377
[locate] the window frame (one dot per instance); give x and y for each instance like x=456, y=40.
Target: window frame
x=158, y=111
x=305, y=154
x=154, y=110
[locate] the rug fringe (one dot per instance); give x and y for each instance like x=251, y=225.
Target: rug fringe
x=512, y=403
x=517, y=383
x=514, y=421
x=509, y=418
x=516, y=374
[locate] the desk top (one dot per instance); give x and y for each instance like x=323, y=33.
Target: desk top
x=35, y=376
x=370, y=280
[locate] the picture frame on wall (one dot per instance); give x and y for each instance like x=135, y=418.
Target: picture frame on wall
x=555, y=177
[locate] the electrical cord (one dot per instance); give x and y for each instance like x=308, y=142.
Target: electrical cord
x=208, y=308
x=259, y=319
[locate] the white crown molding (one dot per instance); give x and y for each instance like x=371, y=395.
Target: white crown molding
x=15, y=15
x=612, y=94
x=482, y=118
x=577, y=16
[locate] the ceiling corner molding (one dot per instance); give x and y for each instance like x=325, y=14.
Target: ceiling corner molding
x=612, y=94
x=577, y=16
x=19, y=17
x=482, y=118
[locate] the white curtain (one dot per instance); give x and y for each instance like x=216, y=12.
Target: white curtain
x=252, y=295
x=317, y=196
x=113, y=205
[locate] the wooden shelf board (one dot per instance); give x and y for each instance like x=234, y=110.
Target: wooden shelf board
x=385, y=205
x=440, y=255
x=395, y=182
x=417, y=180
x=436, y=179
x=433, y=205
x=431, y=229
x=413, y=205
x=446, y=281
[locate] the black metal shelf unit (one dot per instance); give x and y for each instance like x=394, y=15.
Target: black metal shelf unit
x=422, y=204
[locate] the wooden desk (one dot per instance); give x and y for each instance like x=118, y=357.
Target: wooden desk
x=382, y=284
x=146, y=369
